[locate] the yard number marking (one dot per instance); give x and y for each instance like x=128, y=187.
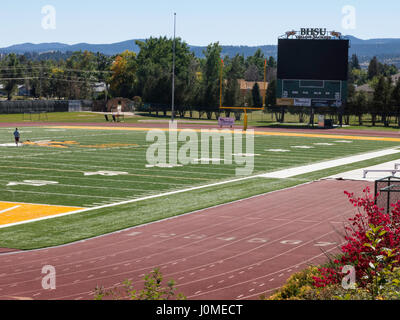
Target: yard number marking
x=106, y=173
x=34, y=183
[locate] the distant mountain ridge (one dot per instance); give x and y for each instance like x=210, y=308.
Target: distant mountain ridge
x=108, y=49
x=387, y=50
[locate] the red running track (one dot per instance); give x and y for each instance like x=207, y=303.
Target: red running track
x=335, y=131
x=231, y=252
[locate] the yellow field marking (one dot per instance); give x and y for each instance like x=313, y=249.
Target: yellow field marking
x=67, y=144
x=259, y=133
x=20, y=212
x=54, y=144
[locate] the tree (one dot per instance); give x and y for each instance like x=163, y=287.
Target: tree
x=349, y=107
x=57, y=87
x=257, y=101
x=80, y=67
x=354, y=64
x=387, y=102
x=155, y=72
x=361, y=106
x=272, y=62
x=396, y=100
x=11, y=72
x=233, y=74
x=271, y=94
x=252, y=73
x=373, y=68
x=389, y=70
x=123, y=79
x=104, y=64
x=357, y=104
x=381, y=100
x=211, y=79
x=255, y=66
x=358, y=76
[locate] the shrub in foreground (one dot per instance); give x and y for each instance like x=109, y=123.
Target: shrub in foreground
x=372, y=248
x=153, y=290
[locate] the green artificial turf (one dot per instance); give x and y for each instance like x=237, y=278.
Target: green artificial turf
x=68, y=166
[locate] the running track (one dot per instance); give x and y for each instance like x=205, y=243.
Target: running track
x=341, y=131
x=231, y=252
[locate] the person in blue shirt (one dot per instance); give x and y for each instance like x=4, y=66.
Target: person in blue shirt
x=16, y=136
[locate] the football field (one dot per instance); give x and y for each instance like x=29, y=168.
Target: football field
x=62, y=170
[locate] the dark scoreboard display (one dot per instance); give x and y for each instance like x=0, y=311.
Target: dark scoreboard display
x=312, y=72
x=313, y=59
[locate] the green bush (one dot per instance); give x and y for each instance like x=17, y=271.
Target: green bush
x=153, y=290
x=300, y=287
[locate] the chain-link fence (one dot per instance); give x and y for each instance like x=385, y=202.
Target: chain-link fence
x=28, y=106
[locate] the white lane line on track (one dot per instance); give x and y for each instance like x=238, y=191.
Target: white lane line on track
x=258, y=278
x=267, y=275
x=240, y=268
x=195, y=268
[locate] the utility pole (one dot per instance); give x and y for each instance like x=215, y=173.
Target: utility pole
x=173, y=72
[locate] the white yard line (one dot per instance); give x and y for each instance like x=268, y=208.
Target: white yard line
x=9, y=209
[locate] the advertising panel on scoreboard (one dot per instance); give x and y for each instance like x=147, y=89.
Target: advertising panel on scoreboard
x=302, y=102
x=326, y=103
x=285, y=102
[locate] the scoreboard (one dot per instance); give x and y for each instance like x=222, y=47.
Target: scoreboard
x=312, y=72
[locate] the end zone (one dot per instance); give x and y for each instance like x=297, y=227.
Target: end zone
x=13, y=213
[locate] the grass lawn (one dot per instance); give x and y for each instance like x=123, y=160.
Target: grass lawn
x=78, y=117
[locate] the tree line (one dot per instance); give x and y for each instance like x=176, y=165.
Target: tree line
x=145, y=76
x=382, y=101
x=72, y=78
x=373, y=96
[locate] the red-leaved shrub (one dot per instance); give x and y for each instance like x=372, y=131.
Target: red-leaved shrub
x=360, y=251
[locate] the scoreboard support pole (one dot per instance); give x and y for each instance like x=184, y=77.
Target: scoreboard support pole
x=341, y=117
x=311, y=117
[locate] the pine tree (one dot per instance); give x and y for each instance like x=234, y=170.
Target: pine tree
x=396, y=100
x=271, y=94
x=355, y=64
x=378, y=102
x=373, y=68
x=257, y=101
x=233, y=74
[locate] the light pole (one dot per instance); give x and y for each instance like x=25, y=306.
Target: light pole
x=173, y=72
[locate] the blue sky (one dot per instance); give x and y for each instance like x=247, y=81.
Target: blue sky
x=245, y=22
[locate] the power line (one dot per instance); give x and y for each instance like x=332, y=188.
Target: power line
x=70, y=70
x=51, y=78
